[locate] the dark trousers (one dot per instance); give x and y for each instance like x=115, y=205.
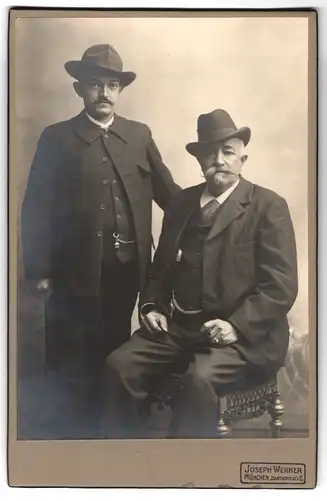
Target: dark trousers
x=136, y=369
x=82, y=331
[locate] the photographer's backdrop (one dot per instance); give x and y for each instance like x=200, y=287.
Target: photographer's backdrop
x=255, y=68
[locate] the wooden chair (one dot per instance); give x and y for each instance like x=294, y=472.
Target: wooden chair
x=236, y=406
x=251, y=403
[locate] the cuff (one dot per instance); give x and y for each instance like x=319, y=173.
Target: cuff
x=235, y=330
x=146, y=308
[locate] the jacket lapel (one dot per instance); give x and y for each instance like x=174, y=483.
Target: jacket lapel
x=117, y=144
x=232, y=208
x=85, y=129
x=117, y=141
x=117, y=134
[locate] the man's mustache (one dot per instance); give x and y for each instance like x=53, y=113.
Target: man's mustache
x=104, y=101
x=216, y=169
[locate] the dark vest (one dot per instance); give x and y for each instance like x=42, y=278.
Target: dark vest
x=187, y=283
x=116, y=211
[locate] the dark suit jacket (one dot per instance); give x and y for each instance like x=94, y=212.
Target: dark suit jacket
x=249, y=267
x=60, y=213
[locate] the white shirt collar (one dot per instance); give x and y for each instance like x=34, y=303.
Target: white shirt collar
x=206, y=196
x=102, y=125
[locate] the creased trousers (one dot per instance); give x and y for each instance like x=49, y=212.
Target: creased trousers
x=136, y=369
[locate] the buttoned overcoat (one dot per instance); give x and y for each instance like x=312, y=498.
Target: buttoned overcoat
x=62, y=225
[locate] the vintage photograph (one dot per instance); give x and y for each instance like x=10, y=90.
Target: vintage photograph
x=160, y=183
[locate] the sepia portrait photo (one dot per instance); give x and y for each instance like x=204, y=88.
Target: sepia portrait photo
x=162, y=174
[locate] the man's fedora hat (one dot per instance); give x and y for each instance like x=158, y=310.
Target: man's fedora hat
x=101, y=60
x=214, y=127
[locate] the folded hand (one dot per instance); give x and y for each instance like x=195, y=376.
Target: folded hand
x=220, y=332
x=154, y=321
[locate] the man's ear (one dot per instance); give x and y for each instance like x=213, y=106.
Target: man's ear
x=77, y=88
x=244, y=158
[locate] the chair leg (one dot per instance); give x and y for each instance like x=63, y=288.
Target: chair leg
x=174, y=425
x=276, y=411
x=222, y=428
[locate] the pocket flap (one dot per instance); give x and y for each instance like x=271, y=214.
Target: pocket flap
x=144, y=165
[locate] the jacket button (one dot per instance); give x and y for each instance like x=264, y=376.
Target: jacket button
x=118, y=216
x=105, y=182
x=116, y=198
x=104, y=159
x=105, y=136
x=114, y=181
x=102, y=206
x=99, y=233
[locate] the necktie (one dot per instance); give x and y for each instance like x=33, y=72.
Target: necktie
x=208, y=212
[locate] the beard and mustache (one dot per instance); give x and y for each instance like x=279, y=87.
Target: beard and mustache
x=219, y=179
x=219, y=176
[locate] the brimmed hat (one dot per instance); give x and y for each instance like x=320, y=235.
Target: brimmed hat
x=102, y=60
x=214, y=127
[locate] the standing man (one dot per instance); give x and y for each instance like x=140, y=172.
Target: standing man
x=222, y=282
x=86, y=218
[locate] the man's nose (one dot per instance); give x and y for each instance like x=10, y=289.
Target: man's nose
x=104, y=90
x=220, y=157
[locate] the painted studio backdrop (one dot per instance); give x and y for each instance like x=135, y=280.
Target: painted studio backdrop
x=255, y=68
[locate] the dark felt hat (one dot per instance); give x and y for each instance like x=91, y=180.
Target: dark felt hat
x=100, y=60
x=214, y=127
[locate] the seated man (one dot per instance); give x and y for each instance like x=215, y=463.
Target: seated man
x=222, y=281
